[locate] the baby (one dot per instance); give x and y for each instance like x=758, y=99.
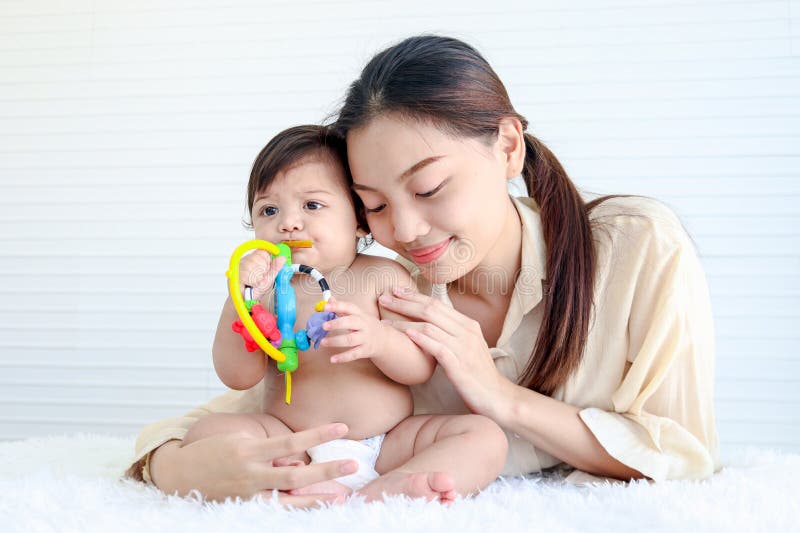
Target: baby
x=299, y=190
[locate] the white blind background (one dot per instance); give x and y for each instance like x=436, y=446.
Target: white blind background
x=127, y=131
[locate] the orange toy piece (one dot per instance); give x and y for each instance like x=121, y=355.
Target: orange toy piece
x=267, y=324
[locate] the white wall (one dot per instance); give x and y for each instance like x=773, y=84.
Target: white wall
x=127, y=131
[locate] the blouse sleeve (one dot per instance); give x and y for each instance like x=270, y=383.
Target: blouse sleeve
x=662, y=423
x=157, y=433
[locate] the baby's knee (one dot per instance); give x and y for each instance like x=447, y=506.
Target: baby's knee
x=224, y=424
x=488, y=432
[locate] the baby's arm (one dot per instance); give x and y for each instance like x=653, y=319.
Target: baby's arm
x=367, y=337
x=236, y=367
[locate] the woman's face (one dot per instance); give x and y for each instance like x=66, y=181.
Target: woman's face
x=438, y=200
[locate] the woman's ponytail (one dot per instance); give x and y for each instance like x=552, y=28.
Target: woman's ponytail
x=570, y=270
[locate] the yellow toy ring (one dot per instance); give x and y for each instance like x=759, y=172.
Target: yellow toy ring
x=238, y=299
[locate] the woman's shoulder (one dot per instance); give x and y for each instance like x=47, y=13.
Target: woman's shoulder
x=638, y=218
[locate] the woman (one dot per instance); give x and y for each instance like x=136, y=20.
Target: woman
x=583, y=329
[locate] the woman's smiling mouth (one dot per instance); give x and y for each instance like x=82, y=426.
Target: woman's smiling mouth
x=426, y=254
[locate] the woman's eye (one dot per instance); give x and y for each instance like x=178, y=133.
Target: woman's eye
x=373, y=210
x=313, y=205
x=269, y=211
x=432, y=191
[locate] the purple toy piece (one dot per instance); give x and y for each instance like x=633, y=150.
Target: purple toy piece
x=314, y=326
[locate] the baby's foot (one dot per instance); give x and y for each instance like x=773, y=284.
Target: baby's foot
x=324, y=487
x=429, y=485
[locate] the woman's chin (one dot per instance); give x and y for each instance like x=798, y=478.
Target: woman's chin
x=441, y=273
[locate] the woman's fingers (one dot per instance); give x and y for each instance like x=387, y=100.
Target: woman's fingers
x=436, y=348
x=295, y=477
x=425, y=327
x=295, y=443
x=302, y=501
x=431, y=339
x=424, y=308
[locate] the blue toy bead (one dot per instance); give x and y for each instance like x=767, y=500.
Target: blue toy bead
x=301, y=338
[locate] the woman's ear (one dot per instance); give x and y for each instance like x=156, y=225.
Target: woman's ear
x=360, y=233
x=511, y=145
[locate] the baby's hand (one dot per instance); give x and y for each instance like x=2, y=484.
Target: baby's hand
x=353, y=329
x=259, y=270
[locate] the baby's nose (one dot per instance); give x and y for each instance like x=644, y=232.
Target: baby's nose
x=291, y=222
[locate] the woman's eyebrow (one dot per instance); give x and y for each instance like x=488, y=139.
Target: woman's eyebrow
x=416, y=167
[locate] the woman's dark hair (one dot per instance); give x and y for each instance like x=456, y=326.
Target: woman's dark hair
x=447, y=83
x=287, y=149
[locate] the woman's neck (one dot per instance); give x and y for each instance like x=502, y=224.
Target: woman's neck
x=494, y=278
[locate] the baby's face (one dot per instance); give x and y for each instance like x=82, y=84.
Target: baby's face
x=310, y=201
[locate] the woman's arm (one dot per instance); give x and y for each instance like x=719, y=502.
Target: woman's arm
x=458, y=345
x=556, y=428
x=662, y=425
x=223, y=466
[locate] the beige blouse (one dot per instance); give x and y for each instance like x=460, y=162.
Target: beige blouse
x=647, y=375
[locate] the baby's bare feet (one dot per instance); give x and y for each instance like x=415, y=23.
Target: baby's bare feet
x=324, y=487
x=429, y=485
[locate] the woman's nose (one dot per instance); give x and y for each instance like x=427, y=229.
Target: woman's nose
x=408, y=225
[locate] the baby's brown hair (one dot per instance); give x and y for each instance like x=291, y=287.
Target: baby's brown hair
x=290, y=147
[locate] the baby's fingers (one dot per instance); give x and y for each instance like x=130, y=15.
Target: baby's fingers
x=351, y=322
x=276, y=264
x=350, y=355
x=342, y=308
x=345, y=340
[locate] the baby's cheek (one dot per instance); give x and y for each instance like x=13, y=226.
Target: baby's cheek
x=382, y=233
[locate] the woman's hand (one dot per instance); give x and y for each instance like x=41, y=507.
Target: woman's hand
x=456, y=342
x=233, y=465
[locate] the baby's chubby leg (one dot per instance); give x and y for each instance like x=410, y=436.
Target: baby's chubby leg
x=248, y=425
x=439, y=457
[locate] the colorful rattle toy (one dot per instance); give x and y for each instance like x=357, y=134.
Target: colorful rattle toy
x=256, y=324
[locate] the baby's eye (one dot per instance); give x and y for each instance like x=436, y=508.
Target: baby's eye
x=269, y=211
x=373, y=210
x=313, y=206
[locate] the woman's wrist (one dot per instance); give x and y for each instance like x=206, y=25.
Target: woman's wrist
x=504, y=403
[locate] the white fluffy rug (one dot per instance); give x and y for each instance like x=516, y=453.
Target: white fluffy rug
x=72, y=484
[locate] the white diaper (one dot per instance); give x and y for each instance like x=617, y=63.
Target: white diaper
x=364, y=452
